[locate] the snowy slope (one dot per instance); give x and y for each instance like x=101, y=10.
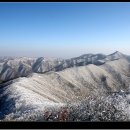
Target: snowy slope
x=37, y=91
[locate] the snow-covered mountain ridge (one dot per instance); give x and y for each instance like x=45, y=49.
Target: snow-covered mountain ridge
x=12, y=68
x=41, y=83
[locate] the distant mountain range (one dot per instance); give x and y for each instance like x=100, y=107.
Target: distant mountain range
x=29, y=84
x=11, y=68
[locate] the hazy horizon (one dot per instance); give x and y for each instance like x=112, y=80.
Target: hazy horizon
x=64, y=30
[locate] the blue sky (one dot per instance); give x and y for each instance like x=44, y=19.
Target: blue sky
x=64, y=29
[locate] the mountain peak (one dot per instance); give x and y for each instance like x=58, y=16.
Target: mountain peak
x=115, y=55
x=117, y=52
